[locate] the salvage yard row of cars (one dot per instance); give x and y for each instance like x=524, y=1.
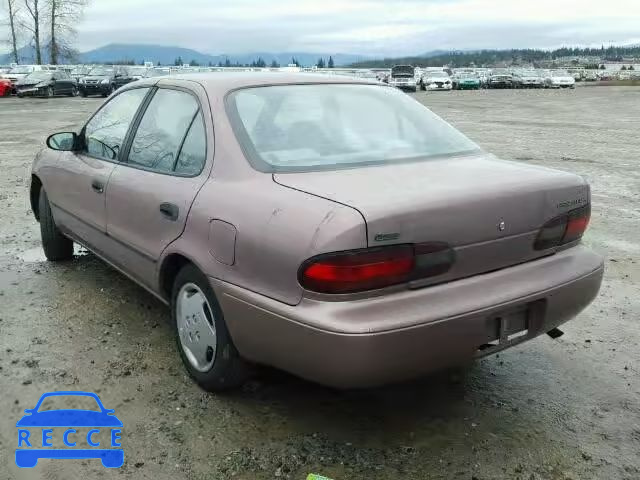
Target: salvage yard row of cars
x=50, y=81
x=446, y=79
x=103, y=80
x=407, y=77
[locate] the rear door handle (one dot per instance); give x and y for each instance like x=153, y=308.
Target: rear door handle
x=97, y=186
x=170, y=211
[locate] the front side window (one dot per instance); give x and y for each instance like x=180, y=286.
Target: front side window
x=105, y=132
x=316, y=127
x=163, y=127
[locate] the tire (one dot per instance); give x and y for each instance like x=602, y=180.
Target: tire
x=50, y=92
x=220, y=366
x=73, y=92
x=83, y=93
x=56, y=246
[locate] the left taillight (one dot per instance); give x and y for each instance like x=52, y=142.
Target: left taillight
x=373, y=268
x=566, y=228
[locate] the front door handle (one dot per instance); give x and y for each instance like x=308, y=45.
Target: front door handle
x=170, y=211
x=97, y=186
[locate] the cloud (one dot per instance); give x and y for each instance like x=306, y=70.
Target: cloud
x=376, y=27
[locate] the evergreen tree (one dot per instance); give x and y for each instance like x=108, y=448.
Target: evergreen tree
x=275, y=64
x=320, y=63
x=330, y=64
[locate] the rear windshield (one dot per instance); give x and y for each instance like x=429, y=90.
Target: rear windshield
x=324, y=127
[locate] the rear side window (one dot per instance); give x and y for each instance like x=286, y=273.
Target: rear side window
x=105, y=132
x=162, y=129
x=194, y=150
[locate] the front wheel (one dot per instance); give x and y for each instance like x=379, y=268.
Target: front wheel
x=203, y=339
x=56, y=246
x=49, y=92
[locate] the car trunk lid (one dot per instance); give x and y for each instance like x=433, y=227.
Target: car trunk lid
x=489, y=210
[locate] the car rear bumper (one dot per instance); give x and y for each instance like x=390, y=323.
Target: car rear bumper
x=403, y=335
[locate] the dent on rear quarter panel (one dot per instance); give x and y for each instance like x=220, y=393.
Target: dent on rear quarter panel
x=277, y=229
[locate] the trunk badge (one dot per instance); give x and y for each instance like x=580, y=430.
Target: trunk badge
x=502, y=226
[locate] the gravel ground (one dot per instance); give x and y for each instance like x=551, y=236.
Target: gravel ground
x=550, y=409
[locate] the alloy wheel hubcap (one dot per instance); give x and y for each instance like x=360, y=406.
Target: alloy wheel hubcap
x=196, y=327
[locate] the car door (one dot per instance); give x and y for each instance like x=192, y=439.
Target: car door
x=77, y=184
x=66, y=81
x=59, y=85
x=151, y=191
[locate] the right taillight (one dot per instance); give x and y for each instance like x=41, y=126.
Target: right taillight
x=373, y=268
x=564, y=229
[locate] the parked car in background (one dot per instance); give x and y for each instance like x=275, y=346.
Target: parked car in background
x=104, y=80
x=355, y=259
x=80, y=72
x=47, y=84
x=136, y=73
x=433, y=80
x=6, y=87
x=529, y=79
x=590, y=76
x=500, y=79
x=403, y=77
x=155, y=72
x=560, y=79
x=466, y=81
x=19, y=72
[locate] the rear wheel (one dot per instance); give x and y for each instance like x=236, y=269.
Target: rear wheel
x=74, y=91
x=55, y=245
x=203, y=339
x=50, y=92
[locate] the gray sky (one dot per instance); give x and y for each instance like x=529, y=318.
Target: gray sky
x=377, y=27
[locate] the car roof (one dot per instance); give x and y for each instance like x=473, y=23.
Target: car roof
x=220, y=83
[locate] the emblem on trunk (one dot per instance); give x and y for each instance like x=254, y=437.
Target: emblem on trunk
x=385, y=237
x=502, y=226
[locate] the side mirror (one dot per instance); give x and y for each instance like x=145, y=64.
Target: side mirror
x=65, y=141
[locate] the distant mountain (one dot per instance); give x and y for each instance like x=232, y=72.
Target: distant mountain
x=167, y=55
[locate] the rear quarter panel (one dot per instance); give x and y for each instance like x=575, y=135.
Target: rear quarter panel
x=277, y=229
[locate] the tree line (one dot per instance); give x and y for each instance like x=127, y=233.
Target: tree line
x=514, y=56
x=46, y=25
x=258, y=63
